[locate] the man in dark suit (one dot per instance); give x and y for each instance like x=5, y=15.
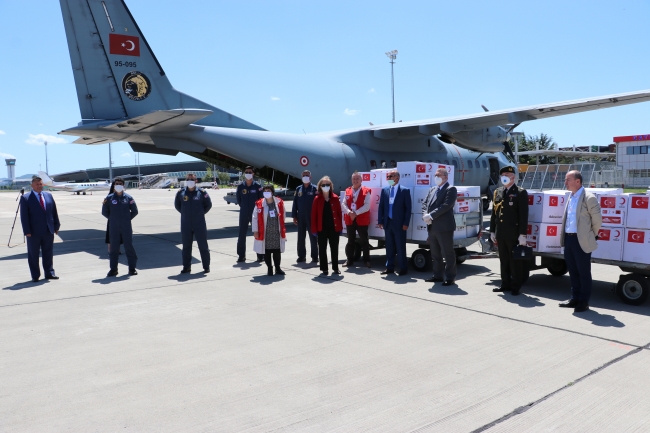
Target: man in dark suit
x=40, y=222
x=394, y=217
x=438, y=213
x=508, y=226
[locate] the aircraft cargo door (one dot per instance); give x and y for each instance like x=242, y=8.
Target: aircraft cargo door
x=494, y=171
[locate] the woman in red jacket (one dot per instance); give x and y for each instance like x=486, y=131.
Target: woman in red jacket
x=327, y=223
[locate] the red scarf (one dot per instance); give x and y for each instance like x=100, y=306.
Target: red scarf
x=259, y=205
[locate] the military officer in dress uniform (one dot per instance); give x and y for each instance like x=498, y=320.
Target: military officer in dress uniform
x=193, y=203
x=301, y=212
x=508, y=226
x=120, y=209
x=248, y=193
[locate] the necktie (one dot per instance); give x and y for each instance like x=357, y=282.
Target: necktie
x=40, y=196
x=392, y=191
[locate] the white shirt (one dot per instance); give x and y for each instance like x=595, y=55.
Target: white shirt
x=355, y=195
x=571, y=224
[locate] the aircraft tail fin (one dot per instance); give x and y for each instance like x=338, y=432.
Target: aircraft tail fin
x=116, y=73
x=47, y=180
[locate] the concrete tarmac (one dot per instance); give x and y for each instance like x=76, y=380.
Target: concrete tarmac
x=235, y=350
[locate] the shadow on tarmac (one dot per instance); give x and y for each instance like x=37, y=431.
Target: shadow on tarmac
x=454, y=290
x=27, y=285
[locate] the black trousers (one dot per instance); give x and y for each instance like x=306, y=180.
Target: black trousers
x=333, y=238
x=277, y=257
x=35, y=245
x=442, y=245
x=579, y=264
x=512, y=271
x=353, y=229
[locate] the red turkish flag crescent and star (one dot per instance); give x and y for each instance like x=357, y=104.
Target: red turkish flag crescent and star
x=124, y=45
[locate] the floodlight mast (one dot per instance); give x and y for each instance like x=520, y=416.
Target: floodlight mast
x=392, y=55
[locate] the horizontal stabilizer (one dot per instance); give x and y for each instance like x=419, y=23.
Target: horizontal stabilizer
x=160, y=121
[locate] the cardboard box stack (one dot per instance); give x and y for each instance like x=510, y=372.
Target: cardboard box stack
x=545, y=211
x=636, y=244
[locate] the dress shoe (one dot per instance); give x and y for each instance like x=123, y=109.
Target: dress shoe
x=279, y=271
x=51, y=277
x=112, y=273
x=35, y=280
x=241, y=259
x=387, y=271
x=269, y=273
x=368, y=265
x=314, y=261
x=571, y=303
x=336, y=271
x=301, y=260
x=206, y=270
x=260, y=259
x=132, y=271
x=581, y=307
x=186, y=270
x=348, y=264
x=402, y=273
x=501, y=289
x=433, y=280
x=325, y=273
x=448, y=283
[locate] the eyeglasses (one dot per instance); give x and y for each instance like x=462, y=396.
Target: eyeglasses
x=390, y=176
x=325, y=184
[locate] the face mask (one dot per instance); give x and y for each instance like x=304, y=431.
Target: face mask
x=391, y=182
x=267, y=194
x=437, y=180
x=306, y=179
x=505, y=180
x=119, y=188
x=190, y=183
x=248, y=176
x=326, y=189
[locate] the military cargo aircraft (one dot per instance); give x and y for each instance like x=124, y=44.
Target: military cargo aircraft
x=125, y=95
x=79, y=188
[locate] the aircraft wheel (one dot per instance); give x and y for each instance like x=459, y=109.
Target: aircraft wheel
x=486, y=204
x=421, y=259
x=633, y=289
x=84, y=193
x=77, y=192
x=460, y=252
x=557, y=267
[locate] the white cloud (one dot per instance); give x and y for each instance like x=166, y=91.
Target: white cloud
x=39, y=139
x=372, y=90
x=126, y=155
x=2, y=132
x=7, y=156
x=274, y=98
x=350, y=112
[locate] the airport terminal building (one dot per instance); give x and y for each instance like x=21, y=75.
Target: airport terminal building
x=633, y=158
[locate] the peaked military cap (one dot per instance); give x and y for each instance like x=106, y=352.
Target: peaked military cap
x=507, y=169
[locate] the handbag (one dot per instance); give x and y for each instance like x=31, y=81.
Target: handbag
x=522, y=252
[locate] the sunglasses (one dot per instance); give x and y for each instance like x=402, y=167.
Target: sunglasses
x=326, y=184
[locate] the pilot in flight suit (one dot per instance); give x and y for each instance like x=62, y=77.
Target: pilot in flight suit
x=193, y=203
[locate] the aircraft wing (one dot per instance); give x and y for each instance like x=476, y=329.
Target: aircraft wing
x=458, y=124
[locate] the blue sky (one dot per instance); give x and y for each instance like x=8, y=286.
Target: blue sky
x=316, y=66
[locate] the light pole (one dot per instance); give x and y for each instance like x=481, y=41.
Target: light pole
x=47, y=171
x=110, y=163
x=392, y=55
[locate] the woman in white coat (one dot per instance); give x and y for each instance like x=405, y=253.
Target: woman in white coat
x=268, y=229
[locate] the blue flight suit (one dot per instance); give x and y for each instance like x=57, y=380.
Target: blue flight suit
x=193, y=205
x=246, y=198
x=120, y=210
x=302, y=202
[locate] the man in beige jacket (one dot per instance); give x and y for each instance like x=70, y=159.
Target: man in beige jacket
x=580, y=225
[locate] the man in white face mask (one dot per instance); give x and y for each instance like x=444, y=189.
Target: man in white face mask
x=120, y=208
x=301, y=212
x=193, y=203
x=508, y=226
x=438, y=214
x=248, y=192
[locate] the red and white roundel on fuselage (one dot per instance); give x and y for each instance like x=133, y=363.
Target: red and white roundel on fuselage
x=304, y=161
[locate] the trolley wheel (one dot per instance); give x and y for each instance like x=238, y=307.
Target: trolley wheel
x=84, y=193
x=557, y=267
x=486, y=204
x=633, y=289
x=460, y=252
x=421, y=259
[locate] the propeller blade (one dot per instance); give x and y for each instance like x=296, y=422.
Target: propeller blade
x=484, y=107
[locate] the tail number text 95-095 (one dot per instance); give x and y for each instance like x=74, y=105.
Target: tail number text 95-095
x=125, y=64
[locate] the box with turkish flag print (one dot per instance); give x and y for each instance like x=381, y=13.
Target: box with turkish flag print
x=549, y=238
x=373, y=179
x=609, y=201
x=610, y=243
x=638, y=211
x=605, y=191
x=419, y=195
x=613, y=217
x=467, y=206
x=545, y=207
x=532, y=235
x=636, y=247
x=408, y=170
x=535, y=206
x=375, y=194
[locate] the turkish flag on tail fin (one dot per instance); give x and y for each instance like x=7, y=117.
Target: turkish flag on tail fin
x=125, y=45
